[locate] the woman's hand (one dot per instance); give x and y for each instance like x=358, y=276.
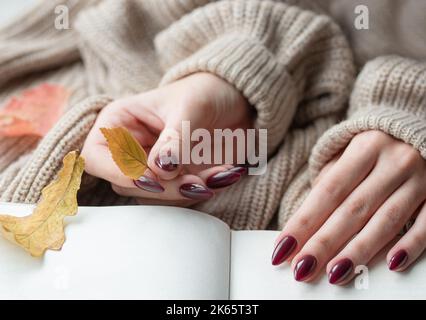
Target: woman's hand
x=155, y=119
x=359, y=203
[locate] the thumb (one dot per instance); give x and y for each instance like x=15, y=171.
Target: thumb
x=165, y=156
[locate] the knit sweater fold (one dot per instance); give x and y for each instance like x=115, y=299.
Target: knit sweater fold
x=389, y=96
x=293, y=65
x=279, y=56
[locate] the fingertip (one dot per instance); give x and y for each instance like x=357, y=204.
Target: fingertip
x=148, y=184
x=305, y=268
x=165, y=168
x=398, y=260
x=283, y=249
x=340, y=272
x=167, y=163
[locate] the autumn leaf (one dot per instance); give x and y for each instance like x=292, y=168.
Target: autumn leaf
x=126, y=152
x=44, y=228
x=34, y=112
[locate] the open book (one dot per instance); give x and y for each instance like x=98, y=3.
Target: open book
x=147, y=252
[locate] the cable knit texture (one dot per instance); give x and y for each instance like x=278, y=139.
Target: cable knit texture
x=293, y=65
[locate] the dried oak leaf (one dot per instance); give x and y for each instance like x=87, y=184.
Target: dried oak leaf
x=126, y=152
x=34, y=112
x=44, y=228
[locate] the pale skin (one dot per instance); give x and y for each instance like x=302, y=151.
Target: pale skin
x=358, y=204
x=203, y=99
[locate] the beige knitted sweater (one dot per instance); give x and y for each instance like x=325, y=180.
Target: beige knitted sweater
x=293, y=65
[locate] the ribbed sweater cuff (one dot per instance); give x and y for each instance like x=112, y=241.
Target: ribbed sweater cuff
x=248, y=65
x=280, y=57
x=389, y=96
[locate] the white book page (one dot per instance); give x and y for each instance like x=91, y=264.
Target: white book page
x=141, y=252
x=253, y=276
x=10, y=10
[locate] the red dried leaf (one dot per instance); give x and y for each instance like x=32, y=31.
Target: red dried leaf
x=33, y=113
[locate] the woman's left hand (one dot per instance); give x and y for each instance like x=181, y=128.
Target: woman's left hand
x=359, y=203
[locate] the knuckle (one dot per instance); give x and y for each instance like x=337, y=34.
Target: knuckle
x=357, y=208
x=188, y=100
x=113, y=105
x=394, y=217
x=407, y=158
x=330, y=188
x=377, y=135
x=362, y=250
x=324, y=243
x=418, y=241
x=302, y=222
x=371, y=138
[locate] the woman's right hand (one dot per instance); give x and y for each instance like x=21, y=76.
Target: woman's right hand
x=203, y=99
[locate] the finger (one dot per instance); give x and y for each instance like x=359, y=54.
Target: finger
x=344, y=176
x=142, y=107
x=410, y=246
x=110, y=117
x=383, y=226
x=220, y=177
x=99, y=163
x=184, y=187
x=347, y=219
x=326, y=169
x=165, y=155
x=98, y=157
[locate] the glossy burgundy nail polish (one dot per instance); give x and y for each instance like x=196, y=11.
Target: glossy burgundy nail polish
x=222, y=179
x=195, y=191
x=241, y=170
x=283, y=250
x=305, y=267
x=167, y=163
x=340, y=271
x=398, y=260
x=148, y=184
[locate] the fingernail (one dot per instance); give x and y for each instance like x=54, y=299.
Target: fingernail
x=398, y=260
x=148, y=184
x=283, y=250
x=167, y=163
x=305, y=267
x=340, y=271
x=222, y=179
x=241, y=170
x=195, y=191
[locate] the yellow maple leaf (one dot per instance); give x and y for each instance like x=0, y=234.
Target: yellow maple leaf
x=126, y=152
x=44, y=228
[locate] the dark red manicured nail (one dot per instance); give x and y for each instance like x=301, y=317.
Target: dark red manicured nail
x=222, y=179
x=340, y=271
x=148, y=184
x=305, y=267
x=283, y=250
x=241, y=170
x=195, y=191
x=167, y=163
x=398, y=260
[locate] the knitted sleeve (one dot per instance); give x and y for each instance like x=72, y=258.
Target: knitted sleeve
x=389, y=95
x=292, y=65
